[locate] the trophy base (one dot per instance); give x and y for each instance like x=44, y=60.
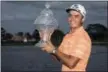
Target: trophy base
x=40, y=43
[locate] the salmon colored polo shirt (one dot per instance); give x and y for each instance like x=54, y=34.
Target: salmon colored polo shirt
x=77, y=44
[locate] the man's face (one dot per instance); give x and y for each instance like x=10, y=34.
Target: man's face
x=74, y=19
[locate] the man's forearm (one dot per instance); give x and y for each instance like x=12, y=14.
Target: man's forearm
x=65, y=59
x=68, y=60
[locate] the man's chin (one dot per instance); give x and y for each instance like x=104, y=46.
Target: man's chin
x=73, y=27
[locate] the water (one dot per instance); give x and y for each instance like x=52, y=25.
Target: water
x=26, y=58
x=31, y=58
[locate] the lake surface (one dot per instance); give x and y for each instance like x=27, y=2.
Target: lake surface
x=30, y=58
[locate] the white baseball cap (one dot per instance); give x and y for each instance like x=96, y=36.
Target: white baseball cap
x=77, y=7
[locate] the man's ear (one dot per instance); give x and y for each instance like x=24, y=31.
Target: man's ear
x=83, y=20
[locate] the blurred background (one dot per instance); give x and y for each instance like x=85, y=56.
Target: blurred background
x=19, y=35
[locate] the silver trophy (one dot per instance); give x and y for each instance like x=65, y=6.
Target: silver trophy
x=45, y=24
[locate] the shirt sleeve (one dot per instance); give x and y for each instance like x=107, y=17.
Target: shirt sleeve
x=79, y=49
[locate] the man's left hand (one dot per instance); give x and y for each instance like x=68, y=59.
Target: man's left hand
x=48, y=47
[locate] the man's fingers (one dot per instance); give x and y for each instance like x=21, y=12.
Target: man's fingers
x=44, y=49
x=49, y=43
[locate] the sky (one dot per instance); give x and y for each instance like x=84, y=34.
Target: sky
x=19, y=16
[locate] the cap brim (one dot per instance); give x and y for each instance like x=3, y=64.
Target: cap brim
x=68, y=10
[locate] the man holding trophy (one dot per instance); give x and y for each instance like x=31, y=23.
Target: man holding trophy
x=75, y=48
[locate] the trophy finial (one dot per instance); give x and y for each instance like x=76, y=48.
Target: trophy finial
x=47, y=5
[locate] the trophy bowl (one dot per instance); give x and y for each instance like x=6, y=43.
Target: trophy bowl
x=45, y=32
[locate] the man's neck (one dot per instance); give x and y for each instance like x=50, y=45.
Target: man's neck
x=72, y=30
